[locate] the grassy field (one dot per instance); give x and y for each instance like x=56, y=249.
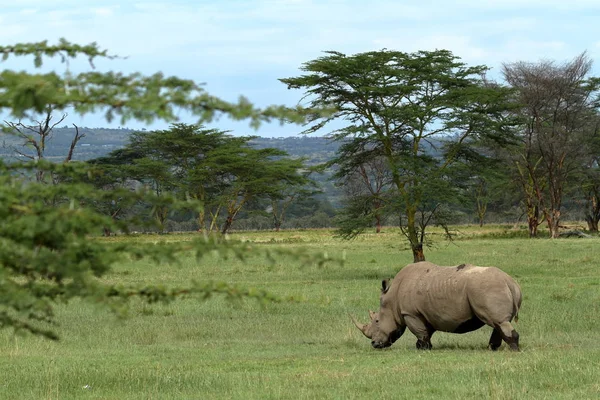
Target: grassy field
x=310, y=350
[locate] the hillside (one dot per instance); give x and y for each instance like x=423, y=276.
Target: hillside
x=99, y=142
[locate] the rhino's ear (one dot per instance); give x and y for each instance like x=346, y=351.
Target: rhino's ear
x=385, y=286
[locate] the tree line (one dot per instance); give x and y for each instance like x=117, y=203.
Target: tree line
x=423, y=132
x=425, y=136
x=223, y=173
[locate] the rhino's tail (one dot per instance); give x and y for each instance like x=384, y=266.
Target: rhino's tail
x=516, y=297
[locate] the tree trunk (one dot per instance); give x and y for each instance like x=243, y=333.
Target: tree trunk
x=592, y=216
x=161, y=214
x=417, y=250
x=378, y=223
x=227, y=224
x=214, y=223
x=481, y=210
x=532, y=225
x=106, y=231
x=233, y=208
x=201, y=221
x=592, y=223
x=553, y=220
x=415, y=244
x=533, y=219
x=276, y=221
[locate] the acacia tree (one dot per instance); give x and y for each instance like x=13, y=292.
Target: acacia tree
x=366, y=180
x=590, y=189
x=588, y=182
x=287, y=190
x=175, y=161
x=113, y=176
x=559, y=104
x=221, y=172
x=46, y=254
x=256, y=173
x=404, y=104
x=486, y=181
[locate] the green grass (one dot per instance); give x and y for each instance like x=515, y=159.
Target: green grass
x=310, y=350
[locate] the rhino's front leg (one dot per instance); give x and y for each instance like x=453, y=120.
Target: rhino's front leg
x=495, y=339
x=424, y=344
x=421, y=329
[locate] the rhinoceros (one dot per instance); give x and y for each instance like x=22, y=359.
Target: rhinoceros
x=426, y=298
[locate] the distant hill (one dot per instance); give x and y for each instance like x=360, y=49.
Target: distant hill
x=99, y=142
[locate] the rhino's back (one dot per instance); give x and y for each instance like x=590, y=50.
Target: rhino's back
x=450, y=296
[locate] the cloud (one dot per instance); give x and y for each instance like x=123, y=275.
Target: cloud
x=267, y=34
x=29, y=11
x=103, y=11
x=539, y=5
x=460, y=45
x=243, y=46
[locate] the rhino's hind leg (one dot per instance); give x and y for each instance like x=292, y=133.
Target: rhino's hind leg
x=509, y=335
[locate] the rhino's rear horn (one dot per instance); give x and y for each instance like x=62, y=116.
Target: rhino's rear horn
x=361, y=327
x=371, y=315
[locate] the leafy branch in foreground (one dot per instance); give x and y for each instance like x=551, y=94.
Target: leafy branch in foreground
x=48, y=257
x=47, y=251
x=127, y=96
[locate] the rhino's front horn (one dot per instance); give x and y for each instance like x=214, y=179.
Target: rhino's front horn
x=361, y=327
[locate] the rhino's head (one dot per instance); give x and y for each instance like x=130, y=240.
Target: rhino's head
x=384, y=329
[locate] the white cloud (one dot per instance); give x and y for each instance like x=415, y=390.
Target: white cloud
x=286, y=33
x=102, y=11
x=540, y=5
x=29, y=11
x=242, y=47
x=460, y=45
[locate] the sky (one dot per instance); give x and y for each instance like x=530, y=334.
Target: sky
x=238, y=47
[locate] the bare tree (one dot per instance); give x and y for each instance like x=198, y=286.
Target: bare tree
x=36, y=137
x=370, y=181
x=558, y=102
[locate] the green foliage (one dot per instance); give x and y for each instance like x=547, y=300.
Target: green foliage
x=559, y=113
x=132, y=96
x=221, y=172
x=417, y=111
x=47, y=254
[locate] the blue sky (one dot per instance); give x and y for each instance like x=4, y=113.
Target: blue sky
x=242, y=47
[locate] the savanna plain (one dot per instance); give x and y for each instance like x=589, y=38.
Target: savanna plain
x=308, y=348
